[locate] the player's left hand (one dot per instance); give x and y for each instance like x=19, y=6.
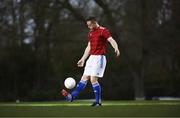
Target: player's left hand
x=117, y=52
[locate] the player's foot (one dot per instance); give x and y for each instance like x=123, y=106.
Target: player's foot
x=64, y=92
x=96, y=104
x=67, y=95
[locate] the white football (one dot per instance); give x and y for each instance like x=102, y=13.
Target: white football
x=69, y=83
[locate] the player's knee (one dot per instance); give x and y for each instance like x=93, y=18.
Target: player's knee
x=85, y=78
x=94, y=80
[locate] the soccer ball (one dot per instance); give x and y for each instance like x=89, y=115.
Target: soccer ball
x=69, y=83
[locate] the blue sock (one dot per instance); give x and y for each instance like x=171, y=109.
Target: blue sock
x=80, y=86
x=97, y=92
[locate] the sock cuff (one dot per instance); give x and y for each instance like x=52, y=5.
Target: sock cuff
x=95, y=84
x=84, y=82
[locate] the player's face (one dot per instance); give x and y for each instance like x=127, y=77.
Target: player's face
x=90, y=25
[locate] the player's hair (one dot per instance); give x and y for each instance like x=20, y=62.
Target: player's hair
x=92, y=19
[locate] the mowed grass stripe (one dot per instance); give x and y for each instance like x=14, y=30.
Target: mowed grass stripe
x=106, y=103
x=83, y=108
x=82, y=111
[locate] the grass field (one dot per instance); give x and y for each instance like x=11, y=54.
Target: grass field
x=83, y=109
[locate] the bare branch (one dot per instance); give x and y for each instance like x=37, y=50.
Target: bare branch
x=76, y=14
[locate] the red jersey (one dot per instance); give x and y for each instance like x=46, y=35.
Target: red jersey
x=98, y=40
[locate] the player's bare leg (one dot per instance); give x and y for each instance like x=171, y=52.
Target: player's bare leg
x=85, y=78
x=97, y=91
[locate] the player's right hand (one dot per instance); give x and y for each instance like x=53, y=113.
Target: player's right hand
x=80, y=63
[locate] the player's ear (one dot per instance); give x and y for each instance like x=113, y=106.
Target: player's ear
x=85, y=22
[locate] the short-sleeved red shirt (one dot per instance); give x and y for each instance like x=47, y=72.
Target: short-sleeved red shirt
x=98, y=40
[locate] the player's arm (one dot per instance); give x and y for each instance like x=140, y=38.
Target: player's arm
x=114, y=45
x=85, y=56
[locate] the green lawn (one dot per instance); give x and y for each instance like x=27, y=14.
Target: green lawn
x=83, y=109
